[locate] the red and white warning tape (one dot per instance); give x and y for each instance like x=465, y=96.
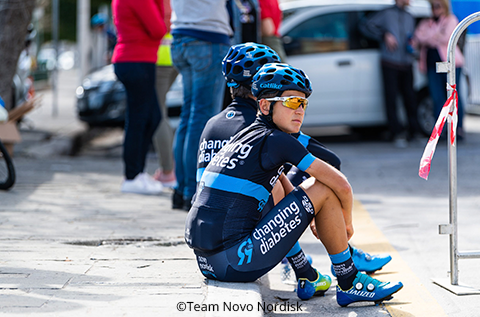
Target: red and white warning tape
x=447, y=111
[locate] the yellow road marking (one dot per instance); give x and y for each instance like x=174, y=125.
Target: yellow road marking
x=413, y=299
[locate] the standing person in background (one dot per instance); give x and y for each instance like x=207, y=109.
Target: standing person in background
x=163, y=137
x=99, y=45
x=393, y=28
x=245, y=22
x=201, y=38
x=140, y=28
x=271, y=20
x=432, y=36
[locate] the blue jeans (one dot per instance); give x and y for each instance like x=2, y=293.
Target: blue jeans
x=200, y=64
x=437, y=84
x=143, y=113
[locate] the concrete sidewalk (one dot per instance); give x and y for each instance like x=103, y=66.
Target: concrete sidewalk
x=72, y=245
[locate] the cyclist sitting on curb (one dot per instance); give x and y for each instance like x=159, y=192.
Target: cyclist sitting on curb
x=224, y=226
x=239, y=66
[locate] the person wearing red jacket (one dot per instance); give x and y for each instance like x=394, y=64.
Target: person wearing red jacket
x=271, y=16
x=140, y=27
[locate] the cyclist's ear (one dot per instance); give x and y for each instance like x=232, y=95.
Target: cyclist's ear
x=264, y=106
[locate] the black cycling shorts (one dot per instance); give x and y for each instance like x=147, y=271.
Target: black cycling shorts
x=265, y=246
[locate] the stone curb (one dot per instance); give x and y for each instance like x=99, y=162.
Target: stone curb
x=233, y=299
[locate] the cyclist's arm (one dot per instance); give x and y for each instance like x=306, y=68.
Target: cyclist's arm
x=337, y=182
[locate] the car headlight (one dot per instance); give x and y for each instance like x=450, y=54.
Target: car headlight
x=80, y=92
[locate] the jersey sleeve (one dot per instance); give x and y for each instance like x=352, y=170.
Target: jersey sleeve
x=281, y=148
x=318, y=150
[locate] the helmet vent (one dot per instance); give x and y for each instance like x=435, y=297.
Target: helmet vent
x=259, y=54
x=288, y=77
x=248, y=64
x=237, y=69
x=268, y=77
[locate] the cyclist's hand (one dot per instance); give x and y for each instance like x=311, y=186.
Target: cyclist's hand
x=349, y=231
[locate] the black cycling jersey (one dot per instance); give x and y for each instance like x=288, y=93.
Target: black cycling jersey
x=318, y=149
x=237, y=183
x=238, y=115
x=222, y=127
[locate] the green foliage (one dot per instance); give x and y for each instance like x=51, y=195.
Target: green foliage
x=68, y=18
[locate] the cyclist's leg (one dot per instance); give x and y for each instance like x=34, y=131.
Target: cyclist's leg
x=295, y=257
x=331, y=230
x=266, y=245
x=363, y=260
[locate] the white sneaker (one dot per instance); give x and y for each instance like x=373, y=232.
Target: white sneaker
x=152, y=182
x=142, y=184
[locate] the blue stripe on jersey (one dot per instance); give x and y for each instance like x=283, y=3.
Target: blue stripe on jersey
x=235, y=185
x=306, y=162
x=304, y=139
x=200, y=173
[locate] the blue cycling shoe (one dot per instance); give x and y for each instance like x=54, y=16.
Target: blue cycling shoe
x=367, y=289
x=307, y=289
x=368, y=263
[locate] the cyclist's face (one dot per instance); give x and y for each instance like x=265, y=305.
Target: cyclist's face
x=286, y=119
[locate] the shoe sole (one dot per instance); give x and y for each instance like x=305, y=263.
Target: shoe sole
x=373, y=272
x=171, y=184
x=378, y=301
x=320, y=293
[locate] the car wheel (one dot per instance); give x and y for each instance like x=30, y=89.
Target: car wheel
x=426, y=119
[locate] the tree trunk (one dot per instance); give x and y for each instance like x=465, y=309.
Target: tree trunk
x=15, y=15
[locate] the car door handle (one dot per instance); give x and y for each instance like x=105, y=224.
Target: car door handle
x=343, y=63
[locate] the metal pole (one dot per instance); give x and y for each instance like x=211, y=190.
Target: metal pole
x=55, y=14
x=452, y=149
x=83, y=37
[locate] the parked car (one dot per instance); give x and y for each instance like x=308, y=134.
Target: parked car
x=101, y=99
x=322, y=38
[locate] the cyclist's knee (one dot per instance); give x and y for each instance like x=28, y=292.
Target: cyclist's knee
x=317, y=192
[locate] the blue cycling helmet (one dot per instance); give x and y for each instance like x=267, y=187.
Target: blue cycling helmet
x=244, y=60
x=280, y=77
